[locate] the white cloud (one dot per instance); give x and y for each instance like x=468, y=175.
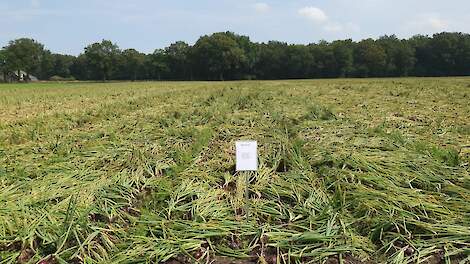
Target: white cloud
x=261, y=7
x=428, y=23
x=35, y=3
x=320, y=18
x=313, y=13
x=333, y=27
x=436, y=23
x=353, y=27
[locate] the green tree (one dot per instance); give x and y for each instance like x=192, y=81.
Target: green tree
x=157, y=64
x=46, y=66
x=343, y=53
x=133, y=62
x=62, y=65
x=102, y=58
x=299, y=62
x=422, y=55
x=178, y=60
x=369, y=58
x=449, y=54
x=24, y=54
x=79, y=68
x=55, y=65
x=218, y=56
x=245, y=71
x=325, y=58
x=400, y=59
x=271, y=59
x=3, y=65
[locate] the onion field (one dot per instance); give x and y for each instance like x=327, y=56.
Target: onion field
x=350, y=171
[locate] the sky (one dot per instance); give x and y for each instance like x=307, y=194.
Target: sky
x=67, y=26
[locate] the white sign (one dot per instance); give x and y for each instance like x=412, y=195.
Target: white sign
x=247, y=155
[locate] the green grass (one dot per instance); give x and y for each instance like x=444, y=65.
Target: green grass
x=371, y=171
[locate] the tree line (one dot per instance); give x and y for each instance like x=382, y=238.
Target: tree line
x=228, y=56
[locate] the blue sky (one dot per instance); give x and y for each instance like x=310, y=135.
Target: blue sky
x=67, y=26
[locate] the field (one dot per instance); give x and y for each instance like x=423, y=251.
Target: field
x=351, y=171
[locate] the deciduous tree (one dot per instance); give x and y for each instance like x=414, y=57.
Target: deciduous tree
x=102, y=58
x=24, y=54
x=132, y=63
x=178, y=60
x=218, y=56
x=369, y=58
